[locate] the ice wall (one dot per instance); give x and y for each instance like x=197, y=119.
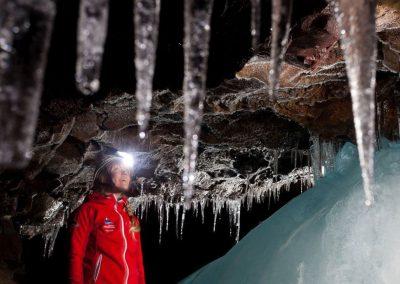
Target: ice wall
x=326, y=235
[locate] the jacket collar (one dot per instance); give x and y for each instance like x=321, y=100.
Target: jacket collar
x=121, y=201
x=107, y=199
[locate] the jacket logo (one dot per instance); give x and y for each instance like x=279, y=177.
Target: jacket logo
x=108, y=225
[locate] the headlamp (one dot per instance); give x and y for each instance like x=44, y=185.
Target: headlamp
x=127, y=159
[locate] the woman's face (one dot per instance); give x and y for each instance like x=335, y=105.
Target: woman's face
x=120, y=176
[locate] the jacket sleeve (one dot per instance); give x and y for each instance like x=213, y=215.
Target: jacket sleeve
x=80, y=231
x=140, y=260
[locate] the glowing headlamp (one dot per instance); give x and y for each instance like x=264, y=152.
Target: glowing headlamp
x=127, y=159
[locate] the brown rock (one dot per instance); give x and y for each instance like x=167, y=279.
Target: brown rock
x=313, y=87
x=86, y=126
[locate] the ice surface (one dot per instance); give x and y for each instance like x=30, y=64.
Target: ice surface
x=326, y=235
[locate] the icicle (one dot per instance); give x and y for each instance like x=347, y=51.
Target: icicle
x=328, y=154
x=25, y=29
x=182, y=221
x=147, y=204
x=255, y=22
x=195, y=209
x=167, y=216
x=92, y=31
x=142, y=209
x=46, y=244
x=281, y=14
x=237, y=224
x=316, y=157
x=141, y=188
x=233, y=208
x=53, y=240
x=50, y=240
x=215, y=220
x=249, y=201
x=301, y=186
x=358, y=39
x=275, y=161
x=217, y=205
x=202, y=206
x=197, y=33
x=295, y=153
x=146, y=34
x=177, y=219
x=161, y=219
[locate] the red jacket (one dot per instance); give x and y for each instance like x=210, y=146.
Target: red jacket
x=102, y=248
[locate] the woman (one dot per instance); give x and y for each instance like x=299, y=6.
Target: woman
x=105, y=239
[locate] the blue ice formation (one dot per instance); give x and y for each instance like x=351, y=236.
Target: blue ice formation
x=326, y=235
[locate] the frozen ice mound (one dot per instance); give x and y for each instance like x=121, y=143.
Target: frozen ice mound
x=326, y=235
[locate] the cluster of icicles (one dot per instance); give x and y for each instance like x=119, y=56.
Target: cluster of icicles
x=320, y=160
x=28, y=23
x=140, y=205
x=56, y=217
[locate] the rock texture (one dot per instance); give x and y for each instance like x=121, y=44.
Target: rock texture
x=313, y=85
x=237, y=145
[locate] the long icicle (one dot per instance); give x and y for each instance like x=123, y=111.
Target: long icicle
x=146, y=34
x=92, y=31
x=197, y=33
x=281, y=14
x=358, y=39
x=25, y=31
x=255, y=22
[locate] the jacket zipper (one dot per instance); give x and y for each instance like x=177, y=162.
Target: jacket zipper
x=97, y=268
x=126, y=274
